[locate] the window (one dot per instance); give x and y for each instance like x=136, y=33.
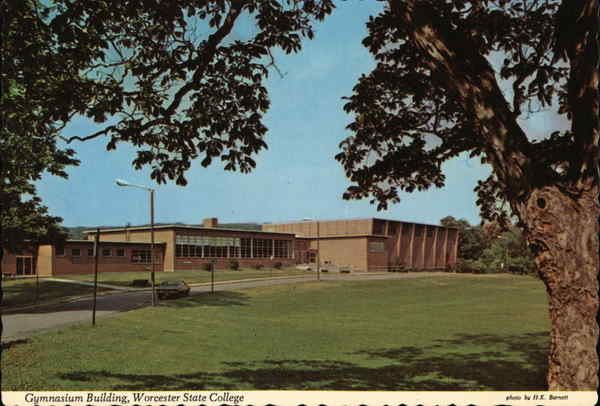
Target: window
x=429, y=232
x=140, y=256
x=120, y=252
x=407, y=229
x=376, y=246
x=378, y=227
x=246, y=247
x=263, y=248
x=90, y=252
x=207, y=247
x=392, y=228
x=60, y=251
x=75, y=252
x=282, y=248
x=106, y=252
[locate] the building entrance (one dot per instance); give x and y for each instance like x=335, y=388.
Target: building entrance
x=25, y=266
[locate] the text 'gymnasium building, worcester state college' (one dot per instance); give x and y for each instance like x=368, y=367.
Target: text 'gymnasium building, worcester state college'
x=369, y=244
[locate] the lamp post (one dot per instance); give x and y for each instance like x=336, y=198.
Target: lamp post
x=318, y=249
x=505, y=263
x=121, y=182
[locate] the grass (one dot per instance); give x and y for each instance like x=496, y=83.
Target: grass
x=125, y=278
x=23, y=291
x=437, y=333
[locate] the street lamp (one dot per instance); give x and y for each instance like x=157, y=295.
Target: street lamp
x=121, y=182
x=318, y=249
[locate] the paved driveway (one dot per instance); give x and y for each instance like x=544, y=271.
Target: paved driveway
x=19, y=324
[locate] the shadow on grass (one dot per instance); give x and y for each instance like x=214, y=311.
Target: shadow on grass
x=9, y=344
x=123, y=302
x=511, y=363
x=218, y=298
x=24, y=293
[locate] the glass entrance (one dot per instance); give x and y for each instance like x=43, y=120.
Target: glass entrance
x=25, y=266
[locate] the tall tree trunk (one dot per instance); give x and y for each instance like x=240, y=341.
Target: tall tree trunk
x=562, y=230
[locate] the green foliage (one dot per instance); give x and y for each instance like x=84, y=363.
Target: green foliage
x=234, y=265
x=410, y=118
x=164, y=72
x=472, y=240
x=509, y=253
x=481, y=253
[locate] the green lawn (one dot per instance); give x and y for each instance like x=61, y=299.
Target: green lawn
x=23, y=292
x=125, y=278
x=450, y=332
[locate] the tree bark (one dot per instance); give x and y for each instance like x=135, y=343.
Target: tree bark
x=562, y=231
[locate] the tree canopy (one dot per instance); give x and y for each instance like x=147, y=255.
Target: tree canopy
x=413, y=113
x=435, y=93
x=160, y=75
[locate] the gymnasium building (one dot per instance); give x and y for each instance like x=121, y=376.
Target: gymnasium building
x=357, y=245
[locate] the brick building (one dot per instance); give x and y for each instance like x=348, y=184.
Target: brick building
x=362, y=245
x=189, y=247
x=373, y=244
x=77, y=257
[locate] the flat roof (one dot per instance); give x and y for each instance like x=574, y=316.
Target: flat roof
x=182, y=226
x=113, y=242
x=356, y=219
x=323, y=237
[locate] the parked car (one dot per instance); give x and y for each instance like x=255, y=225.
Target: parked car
x=172, y=289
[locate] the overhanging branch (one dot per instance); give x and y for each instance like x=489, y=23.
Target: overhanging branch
x=469, y=75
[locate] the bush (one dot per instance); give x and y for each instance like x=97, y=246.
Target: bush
x=470, y=266
x=277, y=265
x=207, y=267
x=234, y=265
x=258, y=266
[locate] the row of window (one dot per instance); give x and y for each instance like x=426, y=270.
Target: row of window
x=137, y=256
x=105, y=252
x=244, y=248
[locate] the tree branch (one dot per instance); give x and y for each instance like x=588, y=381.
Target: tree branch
x=577, y=38
x=89, y=137
x=206, y=55
x=470, y=76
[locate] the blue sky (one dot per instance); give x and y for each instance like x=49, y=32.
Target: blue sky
x=297, y=177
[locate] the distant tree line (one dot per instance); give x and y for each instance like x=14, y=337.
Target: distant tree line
x=488, y=248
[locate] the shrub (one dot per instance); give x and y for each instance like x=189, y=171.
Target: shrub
x=208, y=266
x=258, y=266
x=234, y=265
x=277, y=265
x=471, y=266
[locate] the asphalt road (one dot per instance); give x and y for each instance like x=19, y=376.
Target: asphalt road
x=22, y=323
